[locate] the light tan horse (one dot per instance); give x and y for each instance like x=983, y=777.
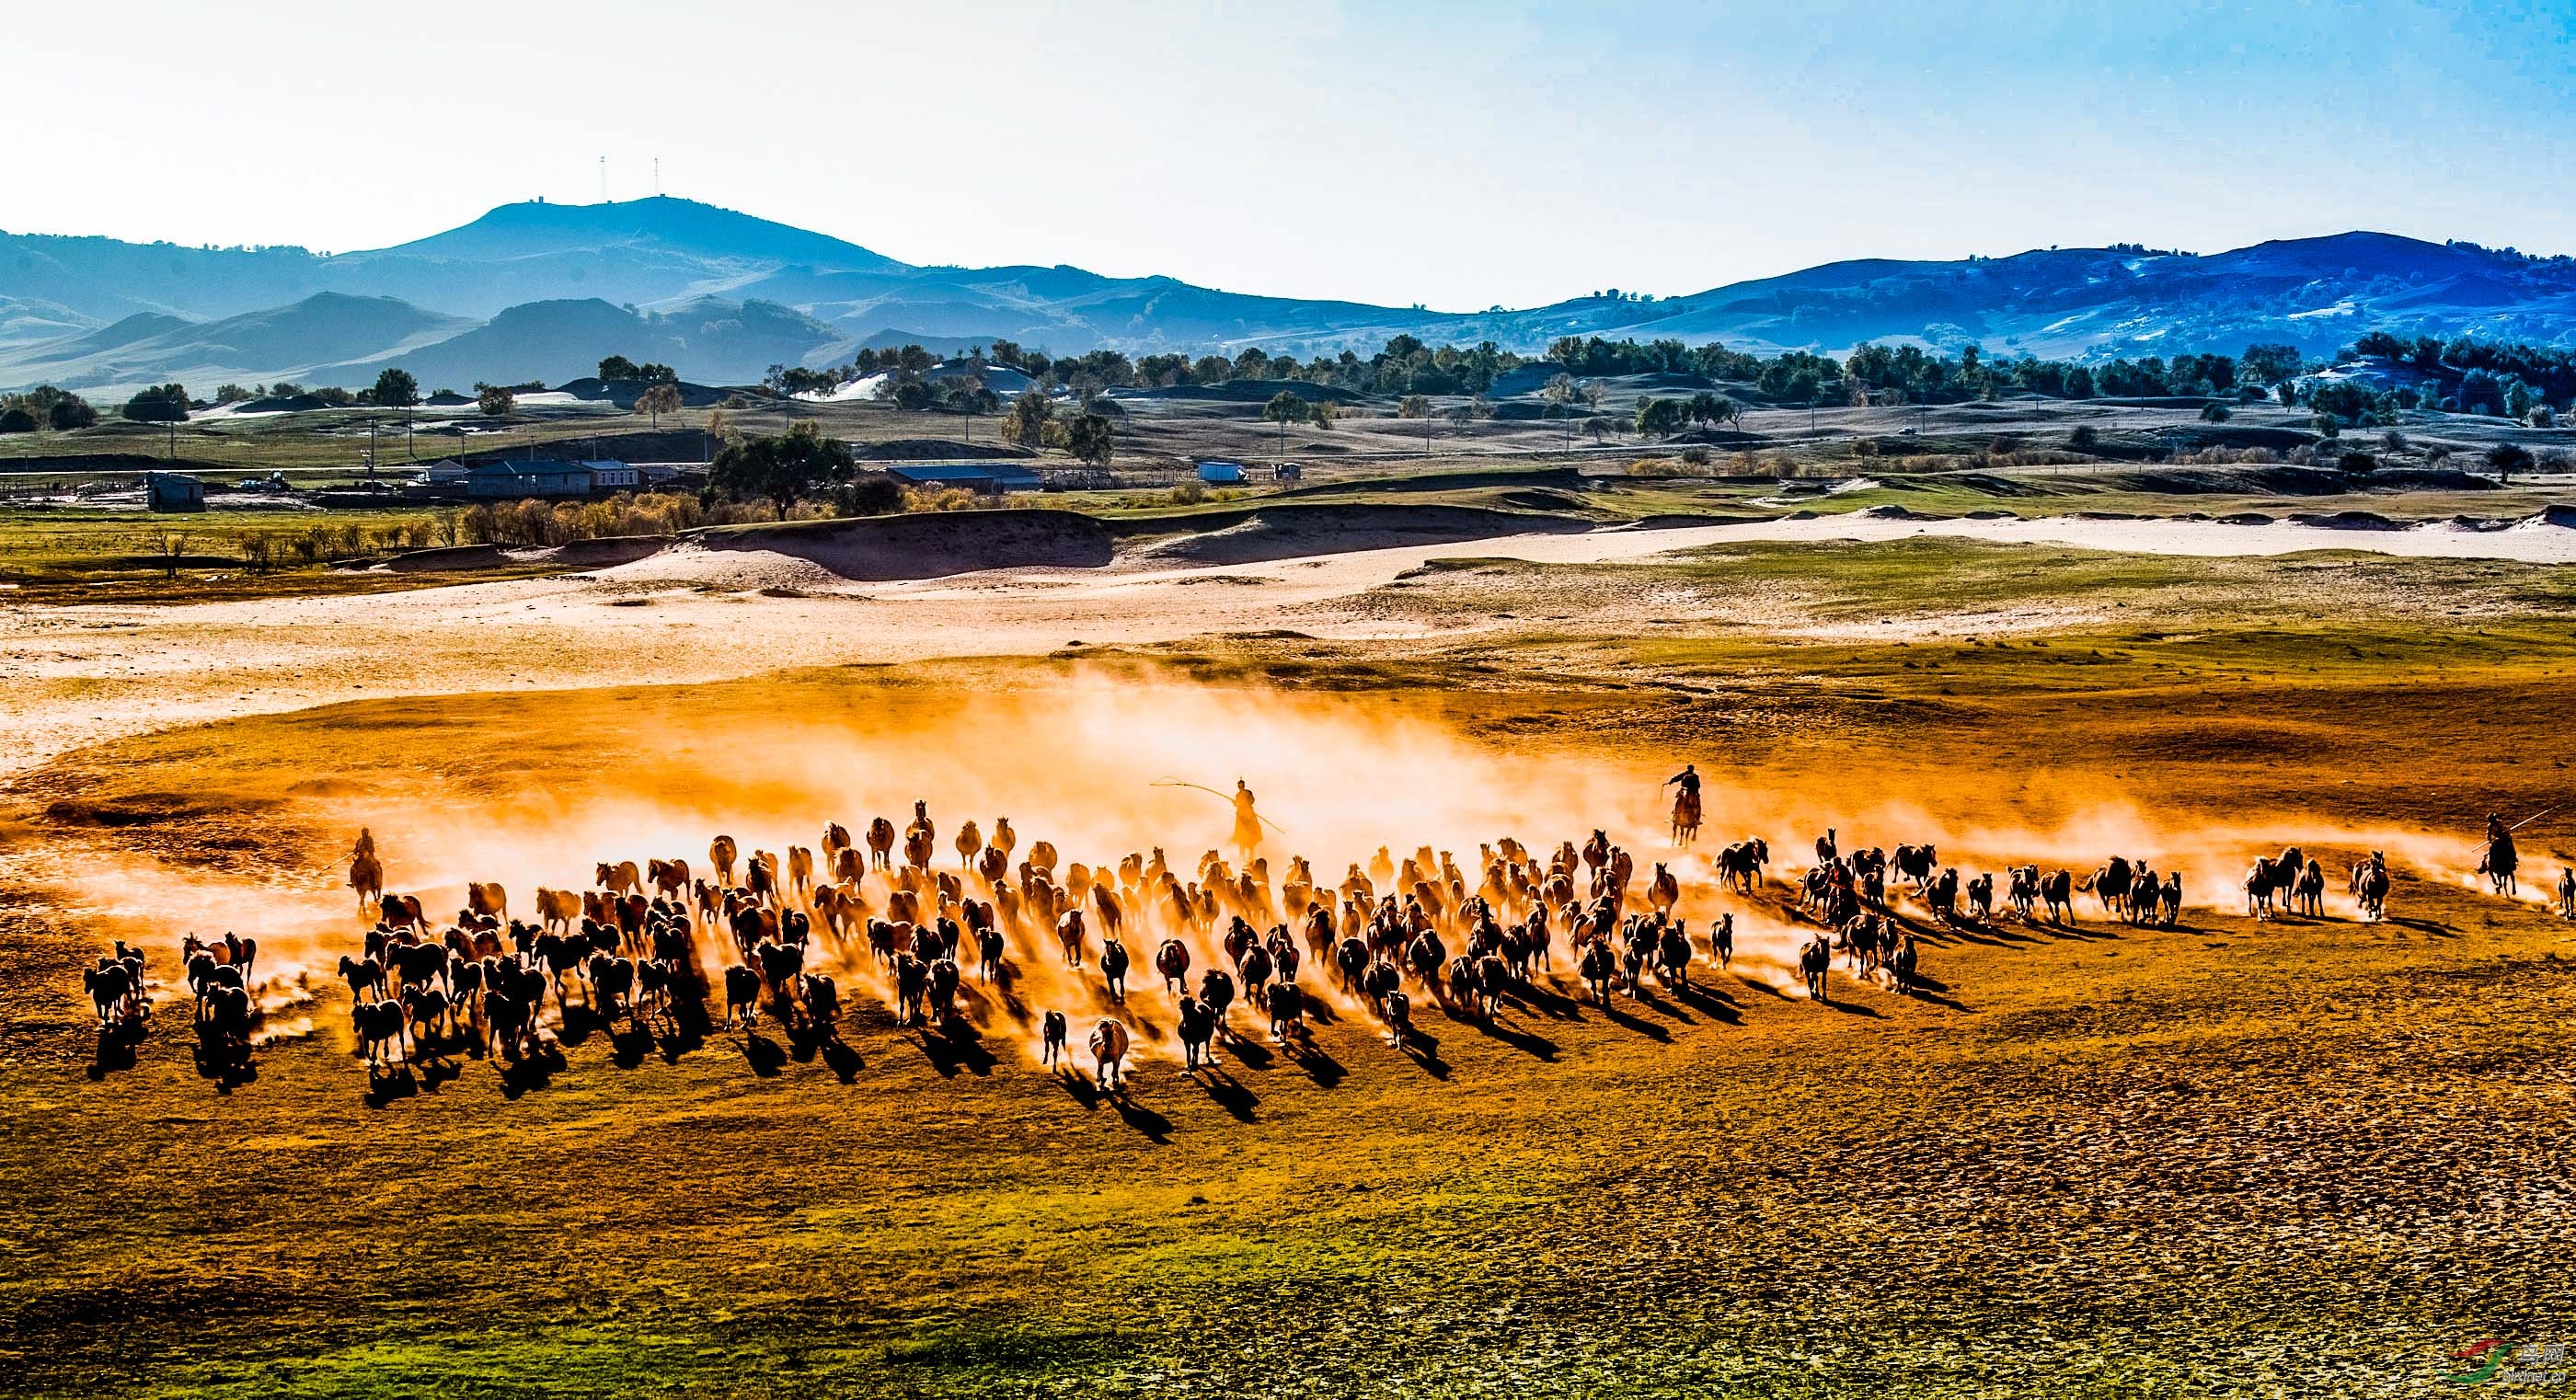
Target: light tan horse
x=1663, y=891
x=1109, y=1051
x=556, y=909
x=721, y=853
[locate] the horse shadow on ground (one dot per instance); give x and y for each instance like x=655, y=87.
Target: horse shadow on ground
x=955, y=1047
x=1422, y=1049
x=1228, y=1093
x=1086, y=1091
x=630, y=1047
x=385, y=1085
x=220, y=1059
x=1933, y=990
x=765, y=1056
x=1710, y=1002
x=526, y=1073
x=809, y=1041
x=116, y=1048
x=1156, y=1128
x=1664, y=999
x=1631, y=1021
x=1251, y=1054
x=1305, y=1054
x=1853, y=1008
x=1547, y=1001
x=438, y=1070
x=1529, y=1043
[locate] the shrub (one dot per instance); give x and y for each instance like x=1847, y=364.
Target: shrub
x=2358, y=463
x=2214, y=413
x=2084, y=438
x=1695, y=456
x=17, y=420
x=874, y=493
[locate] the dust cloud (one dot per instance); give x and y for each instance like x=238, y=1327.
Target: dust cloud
x=1087, y=766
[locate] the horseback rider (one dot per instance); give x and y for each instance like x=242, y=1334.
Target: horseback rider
x=2499, y=840
x=1686, y=802
x=1247, y=822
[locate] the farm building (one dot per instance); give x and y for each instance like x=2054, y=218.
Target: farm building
x=984, y=478
x=613, y=476
x=511, y=481
x=1216, y=473
x=170, y=491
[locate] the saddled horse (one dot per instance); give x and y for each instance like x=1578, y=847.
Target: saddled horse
x=1686, y=817
x=2499, y=863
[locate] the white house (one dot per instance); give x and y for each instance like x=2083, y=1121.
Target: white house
x=614, y=476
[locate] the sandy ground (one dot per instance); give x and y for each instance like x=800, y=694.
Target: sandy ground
x=76, y=675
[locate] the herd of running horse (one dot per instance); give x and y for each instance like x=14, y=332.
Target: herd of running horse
x=629, y=944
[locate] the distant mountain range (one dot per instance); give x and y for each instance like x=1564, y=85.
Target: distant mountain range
x=543, y=291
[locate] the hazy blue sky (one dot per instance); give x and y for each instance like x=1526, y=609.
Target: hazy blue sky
x=1459, y=155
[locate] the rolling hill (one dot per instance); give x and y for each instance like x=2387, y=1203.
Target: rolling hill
x=541, y=291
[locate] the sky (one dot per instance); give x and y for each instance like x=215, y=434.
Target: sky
x=1454, y=155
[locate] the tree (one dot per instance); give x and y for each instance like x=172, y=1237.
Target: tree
x=17, y=420
x=1027, y=421
x=616, y=368
x=2508, y=458
x=2268, y=364
x=395, y=388
x=494, y=400
x=1091, y=438
x=68, y=411
x=658, y=400
x=166, y=403
x=1322, y=413
x=785, y=469
x=1658, y=417
x=1414, y=406
x=1283, y=409
x=170, y=546
x=966, y=395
